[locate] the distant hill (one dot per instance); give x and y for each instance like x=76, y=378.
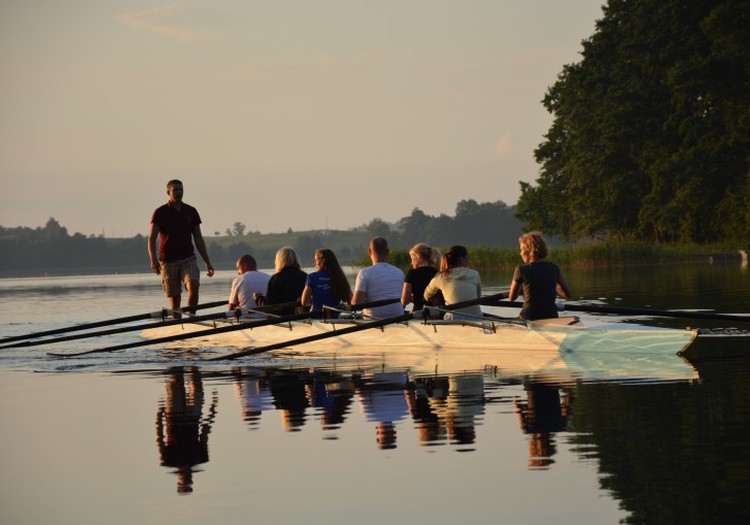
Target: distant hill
x=52, y=250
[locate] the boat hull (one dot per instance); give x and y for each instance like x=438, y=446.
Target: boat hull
x=545, y=347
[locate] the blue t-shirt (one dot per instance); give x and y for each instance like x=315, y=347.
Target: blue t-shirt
x=322, y=290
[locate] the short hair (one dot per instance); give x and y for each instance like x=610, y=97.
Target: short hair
x=285, y=257
x=174, y=182
x=248, y=261
x=535, y=243
x=379, y=245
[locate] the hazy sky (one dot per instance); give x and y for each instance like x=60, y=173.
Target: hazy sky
x=274, y=113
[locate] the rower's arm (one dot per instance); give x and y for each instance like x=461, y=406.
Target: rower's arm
x=563, y=290
x=306, y=296
x=514, y=290
x=359, y=297
x=406, y=294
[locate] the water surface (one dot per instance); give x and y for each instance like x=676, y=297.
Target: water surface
x=156, y=436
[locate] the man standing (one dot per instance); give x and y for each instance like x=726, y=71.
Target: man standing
x=379, y=281
x=247, y=284
x=177, y=225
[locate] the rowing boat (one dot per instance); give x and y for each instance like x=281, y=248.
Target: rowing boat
x=546, y=346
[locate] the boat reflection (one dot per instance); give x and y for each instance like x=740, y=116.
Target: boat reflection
x=435, y=408
x=181, y=430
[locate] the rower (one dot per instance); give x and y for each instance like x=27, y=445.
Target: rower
x=379, y=281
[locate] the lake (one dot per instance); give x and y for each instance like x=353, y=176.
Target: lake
x=158, y=436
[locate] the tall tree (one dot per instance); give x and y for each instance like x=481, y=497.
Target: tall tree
x=650, y=132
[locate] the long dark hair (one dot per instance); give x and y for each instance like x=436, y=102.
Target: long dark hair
x=341, y=289
x=450, y=259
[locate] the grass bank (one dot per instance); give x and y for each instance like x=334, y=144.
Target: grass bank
x=591, y=254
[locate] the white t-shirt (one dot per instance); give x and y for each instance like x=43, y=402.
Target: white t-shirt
x=245, y=285
x=381, y=281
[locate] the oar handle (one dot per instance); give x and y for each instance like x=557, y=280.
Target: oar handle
x=370, y=304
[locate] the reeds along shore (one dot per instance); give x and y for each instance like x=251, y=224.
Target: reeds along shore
x=594, y=254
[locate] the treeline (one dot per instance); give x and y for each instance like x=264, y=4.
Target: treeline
x=52, y=250
x=474, y=224
x=650, y=137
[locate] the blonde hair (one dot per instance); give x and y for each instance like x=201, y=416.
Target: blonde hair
x=286, y=256
x=536, y=245
x=426, y=253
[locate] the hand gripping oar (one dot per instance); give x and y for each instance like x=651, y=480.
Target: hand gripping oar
x=87, y=326
x=640, y=311
x=212, y=331
x=364, y=326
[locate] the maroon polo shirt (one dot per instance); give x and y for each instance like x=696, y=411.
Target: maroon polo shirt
x=176, y=229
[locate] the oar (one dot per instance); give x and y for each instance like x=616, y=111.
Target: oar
x=364, y=326
x=108, y=322
x=190, y=335
x=147, y=326
x=640, y=311
x=220, y=330
x=130, y=328
x=310, y=338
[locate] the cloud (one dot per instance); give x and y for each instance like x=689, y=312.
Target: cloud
x=165, y=20
x=503, y=145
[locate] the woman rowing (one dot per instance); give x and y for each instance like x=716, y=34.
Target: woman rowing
x=286, y=285
x=425, y=261
x=457, y=282
x=540, y=281
x=327, y=286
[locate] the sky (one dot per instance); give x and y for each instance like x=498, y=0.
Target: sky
x=279, y=114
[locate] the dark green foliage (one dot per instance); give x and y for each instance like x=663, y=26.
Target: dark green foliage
x=52, y=250
x=475, y=224
x=651, y=131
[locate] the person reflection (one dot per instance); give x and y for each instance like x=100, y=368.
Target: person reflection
x=540, y=416
x=465, y=406
x=430, y=431
x=182, y=433
x=458, y=403
x=252, y=392
x=382, y=398
x=289, y=397
x=330, y=394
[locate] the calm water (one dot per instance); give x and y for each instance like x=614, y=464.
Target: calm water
x=156, y=436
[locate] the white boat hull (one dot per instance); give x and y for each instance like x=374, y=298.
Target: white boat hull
x=544, y=347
